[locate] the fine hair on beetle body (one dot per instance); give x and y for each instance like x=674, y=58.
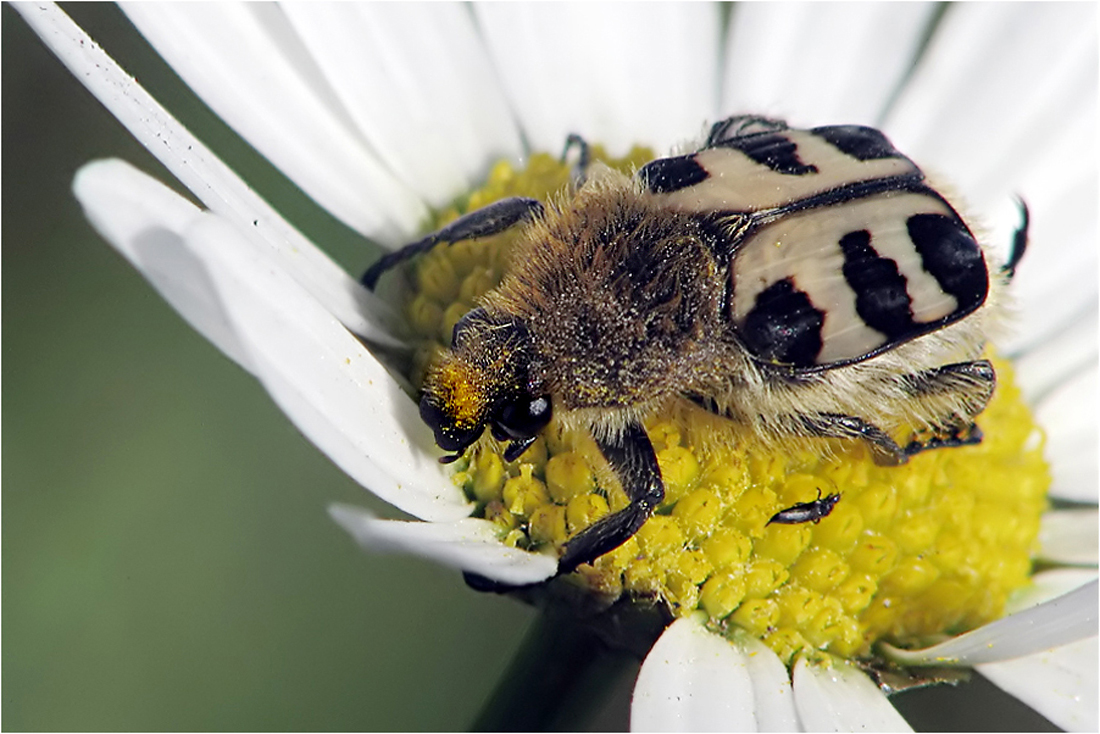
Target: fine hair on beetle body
x=624, y=301
x=805, y=284
x=615, y=348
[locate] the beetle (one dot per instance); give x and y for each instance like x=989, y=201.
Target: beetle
x=806, y=283
x=813, y=511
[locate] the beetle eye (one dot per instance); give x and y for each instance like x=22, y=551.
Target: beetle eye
x=525, y=416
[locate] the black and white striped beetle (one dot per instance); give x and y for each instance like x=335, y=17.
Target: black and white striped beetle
x=804, y=283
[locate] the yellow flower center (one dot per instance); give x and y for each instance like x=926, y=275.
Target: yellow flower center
x=907, y=553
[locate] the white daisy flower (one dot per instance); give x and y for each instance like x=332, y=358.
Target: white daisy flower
x=998, y=99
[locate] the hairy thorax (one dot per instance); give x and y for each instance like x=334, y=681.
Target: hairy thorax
x=623, y=298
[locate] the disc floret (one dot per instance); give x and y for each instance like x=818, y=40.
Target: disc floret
x=907, y=554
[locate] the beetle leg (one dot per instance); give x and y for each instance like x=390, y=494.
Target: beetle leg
x=578, y=172
x=632, y=458
x=964, y=437
x=950, y=378
x=477, y=582
x=732, y=128
x=970, y=384
x=959, y=391
x=885, y=450
x=1019, y=243
x=484, y=222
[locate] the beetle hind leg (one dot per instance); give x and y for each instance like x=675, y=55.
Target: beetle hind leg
x=957, y=392
x=884, y=450
x=970, y=436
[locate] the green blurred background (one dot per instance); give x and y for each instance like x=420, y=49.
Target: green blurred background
x=167, y=559
x=168, y=562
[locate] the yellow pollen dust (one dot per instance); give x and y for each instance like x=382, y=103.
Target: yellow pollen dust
x=461, y=391
x=907, y=554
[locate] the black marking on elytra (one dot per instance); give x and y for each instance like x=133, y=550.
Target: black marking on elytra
x=948, y=251
x=862, y=143
x=783, y=326
x=909, y=183
x=665, y=175
x=774, y=150
x=882, y=300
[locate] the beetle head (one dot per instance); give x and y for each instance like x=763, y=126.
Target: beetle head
x=483, y=381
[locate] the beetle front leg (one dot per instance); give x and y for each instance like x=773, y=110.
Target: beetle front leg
x=632, y=458
x=484, y=222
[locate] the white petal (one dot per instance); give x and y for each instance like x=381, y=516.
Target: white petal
x=1047, y=585
x=1069, y=416
x=616, y=73
x=1060, y=684
x=330, y=386
x=323, y=378
x=248, y=65
x=1041, y=369
x=1060, y=621
x=470, y=544
x=982, y=94
x=145, y=221
x=1056, y=105
x=842, y=698
x=771, y=686
x=694, y=680
x=418, y=83
x=1056, y=283
x=820, y=63
x=1004, y=104
x=212, y=182
x=1070, y=536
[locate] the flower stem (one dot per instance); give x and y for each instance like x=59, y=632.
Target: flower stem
x=560, y=675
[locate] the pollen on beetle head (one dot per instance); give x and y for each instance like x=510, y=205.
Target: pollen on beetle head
x=904, y=555
x=462, y=391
